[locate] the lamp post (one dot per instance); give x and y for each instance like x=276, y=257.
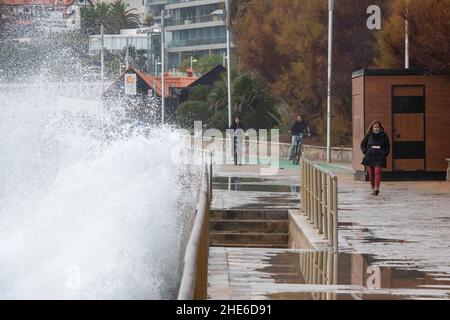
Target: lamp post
x=163, y=78
x=127, y=54
x=157, y=63
x=330, y=73
x=102, y=60
x=192, y=61
x=226, y=15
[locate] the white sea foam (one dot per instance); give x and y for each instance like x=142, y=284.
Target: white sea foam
x=91, y=206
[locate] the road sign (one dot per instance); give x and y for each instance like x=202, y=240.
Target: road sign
x=130, y=84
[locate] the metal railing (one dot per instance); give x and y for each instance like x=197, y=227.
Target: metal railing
x=197, y=42
x=319, y=200
x=192, y=20
x=194, y=282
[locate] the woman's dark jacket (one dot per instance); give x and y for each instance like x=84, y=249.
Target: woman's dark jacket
x=376, y=148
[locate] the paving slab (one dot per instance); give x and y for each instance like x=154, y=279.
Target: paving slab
x=403, y=233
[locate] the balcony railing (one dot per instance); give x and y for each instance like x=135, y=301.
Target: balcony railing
x=197, y=42
x=191, y=20
x=179, y=1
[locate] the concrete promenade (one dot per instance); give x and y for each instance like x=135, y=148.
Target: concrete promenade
x=404, y=232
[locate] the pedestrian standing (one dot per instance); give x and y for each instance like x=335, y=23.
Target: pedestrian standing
x=237, y=139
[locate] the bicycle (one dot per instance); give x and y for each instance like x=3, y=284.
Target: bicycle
x=235, y=151
x=297, y=149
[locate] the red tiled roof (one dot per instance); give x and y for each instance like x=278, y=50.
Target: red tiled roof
x=37, y=2
x=170, y=81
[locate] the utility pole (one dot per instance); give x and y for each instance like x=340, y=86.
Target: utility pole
x=163, y=78
x=102, y=59
x=330, y=75
x=126, y=55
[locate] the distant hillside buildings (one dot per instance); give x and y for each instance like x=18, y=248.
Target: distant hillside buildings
x=191, y=31
x=195, y=32
x=43, y=15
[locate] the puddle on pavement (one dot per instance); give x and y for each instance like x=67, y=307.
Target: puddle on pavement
x=347, y=224
x=323, y=275
x=384, y=240
x=241, y=179
x=254, y=184
x=253, y=187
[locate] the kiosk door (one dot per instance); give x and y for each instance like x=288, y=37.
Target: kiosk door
x=408, y=119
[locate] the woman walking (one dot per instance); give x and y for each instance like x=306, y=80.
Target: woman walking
x=375, y=147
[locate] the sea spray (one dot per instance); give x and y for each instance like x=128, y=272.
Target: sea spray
x=92, y=206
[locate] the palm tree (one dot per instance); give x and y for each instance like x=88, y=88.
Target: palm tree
x=92, y=17
x=121, y=18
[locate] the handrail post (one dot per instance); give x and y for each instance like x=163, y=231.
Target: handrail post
x=324, y=207
x=329, y=214
x=319, y=201
x=335, y=215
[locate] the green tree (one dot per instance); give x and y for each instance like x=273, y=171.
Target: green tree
x=251, y=100
x=191, y=111
x=202, y=65
x=429, y=30
x=285, y=42
x=121, y=18
x=149, y=20
x=92, y=17
x=200, y=93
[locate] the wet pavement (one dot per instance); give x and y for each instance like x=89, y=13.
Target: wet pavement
x=233, y=190
x=407, y=225
x=395, y=246
x=263, y=274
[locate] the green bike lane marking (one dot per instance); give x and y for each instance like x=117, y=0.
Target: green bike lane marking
x=284, y=164
x=264, y=161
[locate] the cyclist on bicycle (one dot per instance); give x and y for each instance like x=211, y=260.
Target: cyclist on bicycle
x=297, y=131
x=237, y=135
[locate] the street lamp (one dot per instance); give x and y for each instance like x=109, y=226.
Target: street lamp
x=163, y=56
x=157, y=63
x=102, y=59
x=192, y=60
x=225, y=14
x=330, y=73
x=93, y=40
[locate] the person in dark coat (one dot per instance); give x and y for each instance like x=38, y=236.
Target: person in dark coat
x=237, y=135
x=297, y=131
x=376, y=147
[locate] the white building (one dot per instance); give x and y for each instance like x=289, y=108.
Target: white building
x=195, y=32
x=191, y=30
x=154, y=8
x=147, y=39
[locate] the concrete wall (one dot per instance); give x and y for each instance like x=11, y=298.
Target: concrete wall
x=302, y=235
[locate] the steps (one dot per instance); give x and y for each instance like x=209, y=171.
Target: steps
x=255, y=228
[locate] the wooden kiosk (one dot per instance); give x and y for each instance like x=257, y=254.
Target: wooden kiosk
x=414, y=109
